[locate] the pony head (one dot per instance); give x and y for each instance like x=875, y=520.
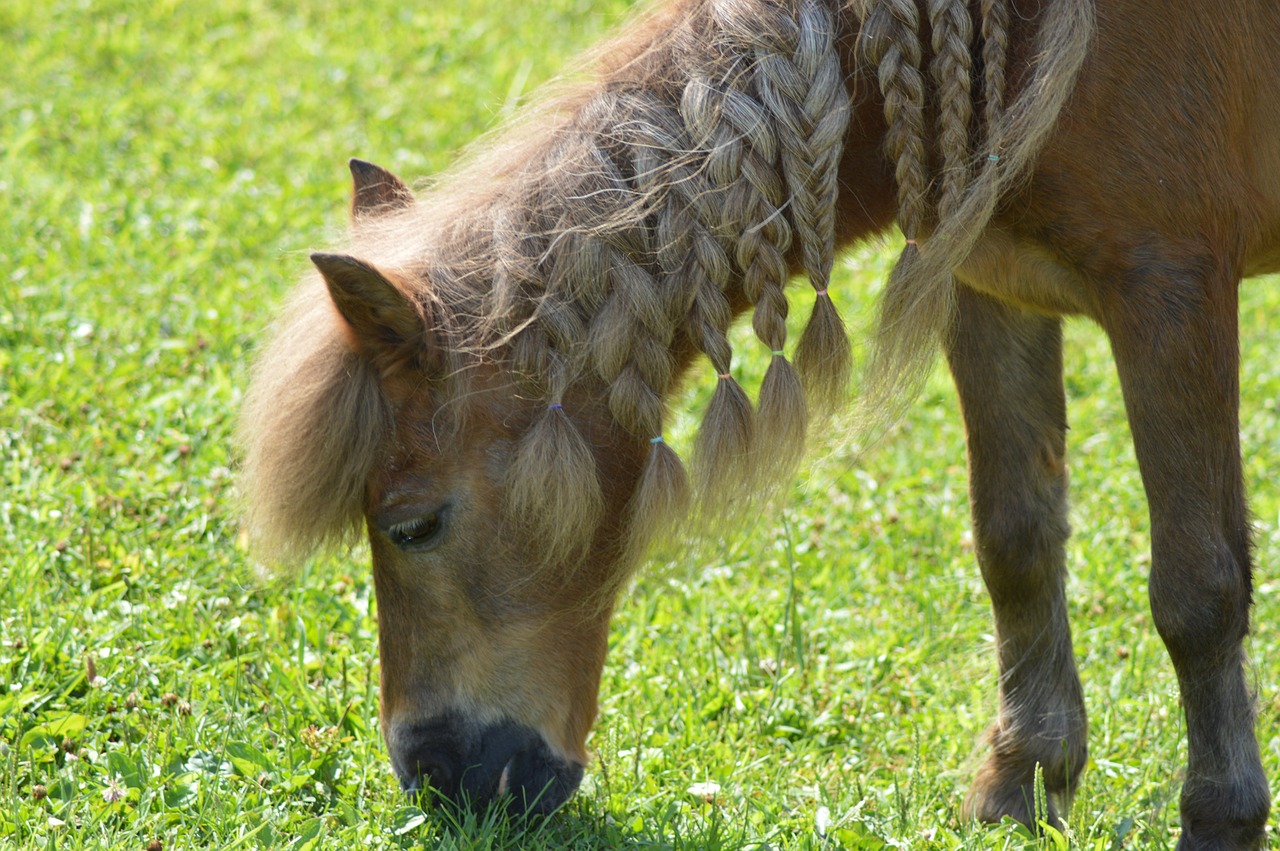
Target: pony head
x=367, y=409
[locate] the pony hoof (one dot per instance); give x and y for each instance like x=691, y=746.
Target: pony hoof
x=991, y=797
x=1222, y=817
x=1243, y=841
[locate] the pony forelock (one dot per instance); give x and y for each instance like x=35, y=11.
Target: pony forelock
x=311, y=427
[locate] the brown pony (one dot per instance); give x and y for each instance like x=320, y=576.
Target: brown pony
x=480, y=377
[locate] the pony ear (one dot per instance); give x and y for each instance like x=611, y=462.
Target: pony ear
x=388, y=325
x=376, y=190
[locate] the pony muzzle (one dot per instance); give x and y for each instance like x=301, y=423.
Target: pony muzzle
x=503, y=764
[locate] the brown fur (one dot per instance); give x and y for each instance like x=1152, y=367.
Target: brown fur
x=505, y=346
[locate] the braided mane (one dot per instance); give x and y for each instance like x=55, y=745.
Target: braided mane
x=638, y=216
x=629, y=219
x=943, y=215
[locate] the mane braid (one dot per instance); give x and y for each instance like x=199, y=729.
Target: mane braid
x=891, y=39
x=995, y=50
x=952, y=69
x=745, y=163
x=696, y=210
x=803, y=86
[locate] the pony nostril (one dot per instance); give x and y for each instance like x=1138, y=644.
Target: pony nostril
x=437, y=772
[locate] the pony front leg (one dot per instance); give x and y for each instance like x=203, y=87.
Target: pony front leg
x=1007, y=366
x=1178, y=365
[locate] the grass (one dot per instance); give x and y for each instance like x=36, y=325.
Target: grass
x=164, y=167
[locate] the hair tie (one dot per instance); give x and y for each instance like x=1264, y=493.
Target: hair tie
x=912, y=242
x=995, y=158
x=657, y=439
x=555, y=406
x=723, y=376
x=779, y=353
x=823, y=291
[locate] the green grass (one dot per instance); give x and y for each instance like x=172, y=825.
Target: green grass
x=164, y=168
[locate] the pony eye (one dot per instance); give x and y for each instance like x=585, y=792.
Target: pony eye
x=416, y=533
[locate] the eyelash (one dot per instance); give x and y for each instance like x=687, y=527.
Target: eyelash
x=416, y=532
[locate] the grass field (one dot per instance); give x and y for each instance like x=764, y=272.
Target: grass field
x=164, y=168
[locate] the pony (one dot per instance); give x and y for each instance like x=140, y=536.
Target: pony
x=478, y=380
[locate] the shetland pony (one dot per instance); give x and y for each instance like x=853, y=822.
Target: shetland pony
x=479, y=378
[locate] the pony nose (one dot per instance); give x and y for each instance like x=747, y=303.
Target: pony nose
x=475, y=767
